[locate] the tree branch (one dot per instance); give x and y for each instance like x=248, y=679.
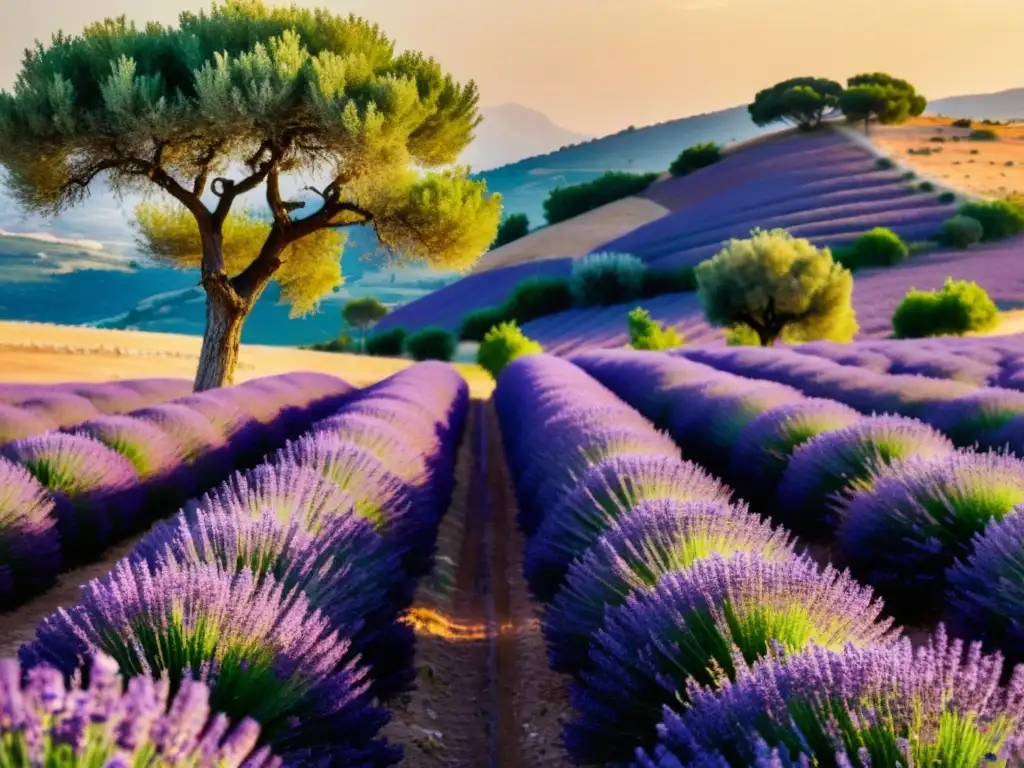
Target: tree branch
x=205, y=160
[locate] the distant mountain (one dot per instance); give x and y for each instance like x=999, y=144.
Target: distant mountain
x=511, y=132
x=1004, y=105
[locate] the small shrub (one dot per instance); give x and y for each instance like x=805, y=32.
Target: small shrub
x=879, y=247
x=658, y=282
x=695, y=157
x=884, y=163
x=536, y=297
x=564, y=203
x=741, y=336
x=947, y=197
x=956, y=138
x=386, y=343
x=1009, y=163
x=511, y=229
x=974, y=152
x=999, y=218
x=646, y=333
x=962, y=231
x=503, y=344
x=603, y=279
x=960, y=307
x=926, y=186
x=963, y=122
x=909, y=176
x=983, y=134
x=937, y=139
x=343, y=343
x=431, y=344
x=476, y=324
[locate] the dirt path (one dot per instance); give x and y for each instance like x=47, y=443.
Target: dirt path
x=485, y=695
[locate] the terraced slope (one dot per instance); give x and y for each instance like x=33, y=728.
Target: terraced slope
x=823, y=187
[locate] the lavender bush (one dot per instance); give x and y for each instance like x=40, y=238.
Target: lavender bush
x=29, y=543
x=825, y=470
x=151, y=451
x=977, y=418
x=60, y=409
x=653, y=539
x=107, y=723
x=16, y=423
x=855, y=708
x=688, y=629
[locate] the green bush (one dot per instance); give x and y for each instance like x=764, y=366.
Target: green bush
x=879, y=247
x=999, y=218
x=963, y=122
x=386, y=343
x=343, y=343
x=512, y=228
x=603, y=279
x=937, y=139
x=962, y=231
x=536, y=297
x=885, y=163
x=741, y=336
x=503, y=344
x=695, y=157
x=983, y=134
x=564, y=203
x=926, y=186
x=947, y=197
x=909, y=176
x=658, y=282
x=960, y=307
x=476, y=324
x=646, y=333
x=431, y=344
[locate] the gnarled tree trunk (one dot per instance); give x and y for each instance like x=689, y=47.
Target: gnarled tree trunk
x=225, y=316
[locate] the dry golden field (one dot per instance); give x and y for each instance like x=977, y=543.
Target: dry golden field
x=31, y=352
x=988, y=168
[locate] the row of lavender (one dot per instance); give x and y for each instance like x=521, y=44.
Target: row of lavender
x=996, y=361
x=934, y=529
x=281, y=591
x=31, y=409
x=986, y=417
x=66, y=496
x=694, y=633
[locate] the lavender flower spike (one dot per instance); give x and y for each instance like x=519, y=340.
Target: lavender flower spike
x=29, y=544
x=41, y=722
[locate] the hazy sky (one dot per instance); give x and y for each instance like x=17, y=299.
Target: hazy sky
x=596, y=66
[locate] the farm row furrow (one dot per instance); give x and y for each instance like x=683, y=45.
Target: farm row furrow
x=31, y=409
x=66, y=497
x=661, y=588
x=283, y=590
x=906, y=512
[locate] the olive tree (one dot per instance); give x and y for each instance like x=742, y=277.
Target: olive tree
x=772, y=283
x=238, y=100
x=881, y=97
x=803, y=101
x=363, y=312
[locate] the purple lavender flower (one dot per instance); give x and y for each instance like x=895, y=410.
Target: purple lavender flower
x=29, y=542
x=60, y=409
x=151, y=451
x=345, y=571
x=688, y=629
x=155, y=391
x=978, y=418
x=606, y=492
x=222, y=414
x=708, y=424
x=109, y=397
x=904, y=533
x=873, y=706
x=384, y=440
x=985, y=598
x=825, y=470
x=16, y=423
x=95, y=490
x=105, y=725
x=654, y=538
x=764, y=446
x=262, y=655
x=191, y=429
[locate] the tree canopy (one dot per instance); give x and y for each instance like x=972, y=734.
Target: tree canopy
x=511, y=229
x=803, y=101
x=363, y=312
x=240, y=99
x=773, y=282
x=881, y=97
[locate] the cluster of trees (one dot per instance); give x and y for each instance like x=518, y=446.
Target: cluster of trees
x=235, y=101
x=807, y=101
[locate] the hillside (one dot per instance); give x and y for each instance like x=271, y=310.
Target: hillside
x=1003, y=105
x=825, y=187
x=511, y=132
